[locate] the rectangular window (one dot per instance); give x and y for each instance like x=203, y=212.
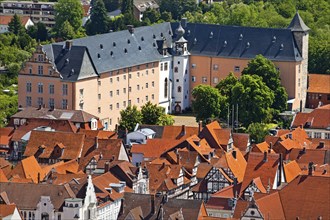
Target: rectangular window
x=51, y=89
x=64, y=104
x=237, y=68
x=40, y=70
x=147, y=85
x=215, y=80
x=117, y=105
x=317, y=135
x=99, y=96
x=117, y=92
x=161, y=67
x=152, y=71
x=129, y=102
x=40, y=57
x=152, y=96
x=327, y=136
x=99, y=82
x=193, y=78
x=40, y=88
x=129, y=69
x=147, y=65
x=40, y=101
x=111, y=94
x=138, y=87
x=166, y=66
x=81, y=91
x=204, y=79
x=215, y=67
x=320, y=96
x=28, y=101
x=153, y=84
x=138, y=74
x=193, y=66
x=51, y=103
x=137, y=100
x=124, y=77
x=110, y=80
x=28, y=87
x=299, y=82
x=129, y=89
x=147, y=98
x=124, y=104
x=65, y=89
x=138, y=67
x=117, y=78
x=124, y=90
x=110, y=107
x=30, y=70
x=99, y=110
x=328, y=97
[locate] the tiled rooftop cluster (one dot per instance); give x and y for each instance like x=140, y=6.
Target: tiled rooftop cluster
x=55, y=168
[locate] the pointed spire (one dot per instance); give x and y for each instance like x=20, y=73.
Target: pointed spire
x=297, y=24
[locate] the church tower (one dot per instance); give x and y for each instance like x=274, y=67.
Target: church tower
x=300, y=33
x=180, y=71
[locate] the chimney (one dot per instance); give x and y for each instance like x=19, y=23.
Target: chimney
x=96, y=142
x=234, y=153
x=184, y=22
x=321, y=145
x=235, y=181
x=271, y=146
x=265, y=157
x=38, y=177
x=200, y=127
x=112, y=158
x=183, y=130
x=310, y=168
x=122, y=207
x=106, y=166
x=130, y=29
x=152, y=203
x=68, y=44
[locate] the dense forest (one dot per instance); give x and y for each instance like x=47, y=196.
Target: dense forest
x=17, y=45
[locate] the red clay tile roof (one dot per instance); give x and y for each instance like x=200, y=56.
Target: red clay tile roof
x=3, y=177
x=241, y=140
x=5, y=135
x=154, y=148
x=320, y=118
x=291, y=171
x=262, y=147
x=203, y=169
x=5, y=19
x=99, y=133
x=256, y=167
x=319, y=83
x=316, y=143
x=7, y=210
x=223, y=136
x=306, y=197
x=73, y=144
x=236, y=165
x=317, y=156
x=177, y=132
x=228, y=192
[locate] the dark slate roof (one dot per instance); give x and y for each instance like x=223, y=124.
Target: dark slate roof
x=73, y=64
x=297, y=24
x=127, y=49
x=240, y=42
x=55, y=114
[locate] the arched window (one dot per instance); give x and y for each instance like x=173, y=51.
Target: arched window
x=44, y=216
x=176, y=69
x=179, y=88
x=165, y=88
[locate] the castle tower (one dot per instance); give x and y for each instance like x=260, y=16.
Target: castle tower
x=300, y=33
x=180, y=71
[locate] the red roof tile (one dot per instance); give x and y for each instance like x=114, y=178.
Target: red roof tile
x=320, y=116
x=5, y=19
x=319, y=83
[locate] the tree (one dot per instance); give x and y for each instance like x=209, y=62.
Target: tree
x=266, y=69
x=258, y=132
x=129, y=118
x=66, y=31
x=254, y=99
x=166, y=16
x=42, y=32
x=15, y=25
x=152, y=14
x=225, y=87
x=165, y=119
x=99, y=21
x=127, y=7
x=151, y=113
x=111, y=5
x=207, y=102
x=69, y=11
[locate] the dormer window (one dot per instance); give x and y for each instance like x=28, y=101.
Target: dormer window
x=240, y=37
x=211, y=35
x=282, y=47
x=274, y=39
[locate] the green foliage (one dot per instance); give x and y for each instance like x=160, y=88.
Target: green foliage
x=254, y=99
x=99, y=21
x=151, y=113
x=258, y=132
x=165, y=119
x=8, y=107
x=166, y=16
x=225, y=87
x=129, y=118
x=38, y=32
x=69, y=14
x=15, y=25
x=127, y=7
x=151, y=14
x=178, y=7
x=207, y=102
x=266, y=69
x=111, y=5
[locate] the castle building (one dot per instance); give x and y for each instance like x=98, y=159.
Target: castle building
x=103, y=74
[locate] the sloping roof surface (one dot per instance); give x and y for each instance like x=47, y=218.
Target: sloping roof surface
x=319, y=83
x=297, y=24
x=320, y=118
x=240, y=42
